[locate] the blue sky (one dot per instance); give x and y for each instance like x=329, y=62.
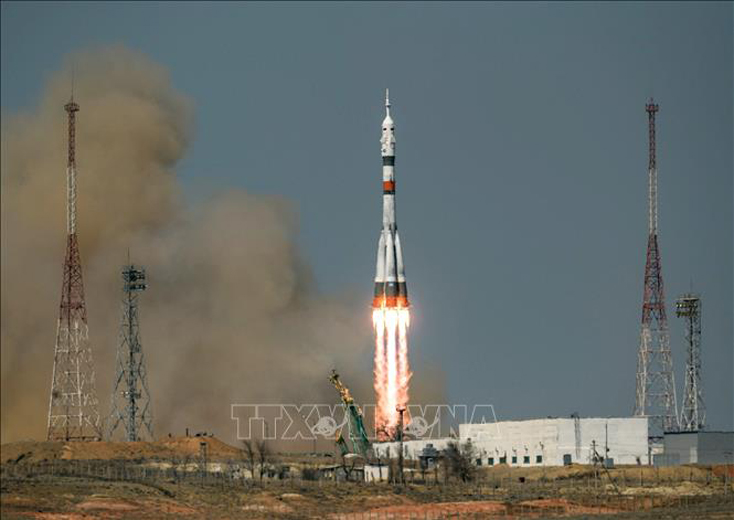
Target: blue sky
x=521, y=165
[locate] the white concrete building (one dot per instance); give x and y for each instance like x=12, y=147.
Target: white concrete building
x=703, y=447
x=544, y=442
x=558, y=441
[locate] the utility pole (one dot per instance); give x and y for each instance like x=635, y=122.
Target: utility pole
x=655, y=394
x=401, y=411
x=597, y=458
x=73, y=412
x=594, y=458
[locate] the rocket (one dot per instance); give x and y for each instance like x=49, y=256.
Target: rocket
x=390, y=288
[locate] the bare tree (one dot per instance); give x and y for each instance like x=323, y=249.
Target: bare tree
x=248, y=457
x=347, y=467
x=263, y=456
x=458, y=460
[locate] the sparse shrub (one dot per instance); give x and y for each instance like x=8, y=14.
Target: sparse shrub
x=457, y=459
x=309, y=474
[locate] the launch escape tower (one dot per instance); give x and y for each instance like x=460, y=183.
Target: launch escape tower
x=655, y=396
x=693, y=412
x=73, y=413
x=130, y=396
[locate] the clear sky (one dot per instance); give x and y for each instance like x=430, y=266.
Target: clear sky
x=521, y=165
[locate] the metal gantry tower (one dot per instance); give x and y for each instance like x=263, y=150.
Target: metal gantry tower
x=130, y=396
x=693, y=411
x=655, y=396
x=73, y=412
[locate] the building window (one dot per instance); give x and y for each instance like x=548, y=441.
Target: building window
x=479, y=462
x=514, y=459
x=539, y=459
x=490, y=461
x=503, y=460
x=526, y=459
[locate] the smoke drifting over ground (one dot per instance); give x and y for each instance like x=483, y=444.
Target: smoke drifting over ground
x=230, y=315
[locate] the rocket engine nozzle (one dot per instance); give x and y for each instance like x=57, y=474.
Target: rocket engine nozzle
x=390, y=302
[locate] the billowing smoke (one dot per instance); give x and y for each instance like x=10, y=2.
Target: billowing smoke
x=231, y=314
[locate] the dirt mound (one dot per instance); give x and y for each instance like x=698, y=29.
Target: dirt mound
x=528, y=508
x=216, y=449
x=167, y=449
x=724, y=469
x=531, y=474
x=106, y=505
x=562, y=506
x=677, y=489
x=436, y=510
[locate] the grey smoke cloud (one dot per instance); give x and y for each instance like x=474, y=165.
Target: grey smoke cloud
x=231, y=314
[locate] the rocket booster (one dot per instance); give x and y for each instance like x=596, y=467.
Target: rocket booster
x=390, y=288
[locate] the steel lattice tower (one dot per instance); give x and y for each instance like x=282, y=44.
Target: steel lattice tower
x=73, y=412
x=655, y=396
x=130, y=395
x=693, y=412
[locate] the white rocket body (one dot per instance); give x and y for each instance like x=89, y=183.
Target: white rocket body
x=390, y=288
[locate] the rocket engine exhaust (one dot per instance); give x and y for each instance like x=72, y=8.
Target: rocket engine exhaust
x=390, y=314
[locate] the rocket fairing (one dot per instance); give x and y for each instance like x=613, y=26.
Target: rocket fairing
x=390, y=288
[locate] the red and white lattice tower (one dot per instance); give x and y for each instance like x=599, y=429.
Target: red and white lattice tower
x=73, y=413
x=655, y=381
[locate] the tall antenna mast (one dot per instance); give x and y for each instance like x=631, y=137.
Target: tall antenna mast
x=693, y=412
x=655, y=395
x=130, y=396
x=73, y=413
x=71, y=109
x=652, y=168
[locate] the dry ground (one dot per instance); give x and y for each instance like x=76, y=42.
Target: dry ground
x=29, y=491
x=73, y=498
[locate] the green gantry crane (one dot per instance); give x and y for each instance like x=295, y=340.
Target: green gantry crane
x=357, y=432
